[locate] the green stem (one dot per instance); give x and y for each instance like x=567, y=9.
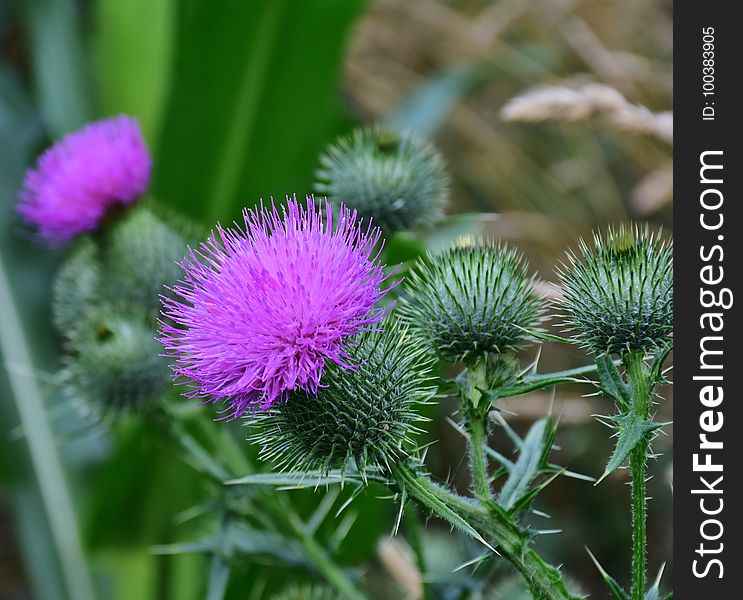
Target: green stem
x=477, y=427
x=544, y=581
x=475, y=412
x=641, y=387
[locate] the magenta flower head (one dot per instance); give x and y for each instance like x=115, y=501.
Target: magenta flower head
x=260, y=310
x=81, y=177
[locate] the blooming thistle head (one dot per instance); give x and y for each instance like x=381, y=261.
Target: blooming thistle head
x=397, y=179
x=618, y=294
x=80, y=178
x=473, y=300
x=261, y=312
x=364, y=417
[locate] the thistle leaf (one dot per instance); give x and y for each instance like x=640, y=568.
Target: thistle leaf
x=656, y=369
x=529, y=385
x=528, y=465
x=219, y=576
x=526, y=500
x=304, y=479
x=631, y=432
x=612, y=383
x=654, y=592
x=615, y=590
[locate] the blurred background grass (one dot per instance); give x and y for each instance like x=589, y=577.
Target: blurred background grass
x=236, y=100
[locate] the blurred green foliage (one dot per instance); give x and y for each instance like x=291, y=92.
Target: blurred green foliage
x=236, y=99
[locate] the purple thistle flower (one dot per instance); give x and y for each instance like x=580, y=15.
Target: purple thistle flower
x=259, y=311
x=81, y=177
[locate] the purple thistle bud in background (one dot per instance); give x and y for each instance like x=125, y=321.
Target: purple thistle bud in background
x=259, y=311
x=80, y=178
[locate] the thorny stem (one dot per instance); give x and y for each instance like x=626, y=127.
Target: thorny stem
x=641, y=388
x=477, y=426
x=544, y=581
x=476, y=422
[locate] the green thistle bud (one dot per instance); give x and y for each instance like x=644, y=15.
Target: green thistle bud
x=365, y=415
x=139, y=257
x=117, y=363
x=618, y=295
x=76, y=289
x=473, y=300
x=397, y=179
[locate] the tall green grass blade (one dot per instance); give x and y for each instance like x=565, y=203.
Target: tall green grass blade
x=252, y=102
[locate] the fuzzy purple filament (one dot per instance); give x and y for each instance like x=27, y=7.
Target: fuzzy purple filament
x=80, y=178
x=259, y=311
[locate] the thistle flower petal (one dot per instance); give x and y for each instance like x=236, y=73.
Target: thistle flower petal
x=260, y=310
x=79, y=179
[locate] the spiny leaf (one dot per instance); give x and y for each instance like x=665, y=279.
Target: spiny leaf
x=656, y=369
x=551, y=337
x=219, y=576
x=528, y=498
x=436, y=506
x=654, y=592
x=611, y=382
x=250, y=541
x=528, y=385
x=615, y=590
x=631, y=432
x=527, y=467
x=300, y=479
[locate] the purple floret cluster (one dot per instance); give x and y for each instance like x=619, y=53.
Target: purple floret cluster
x=260, y=309
x=76, y=182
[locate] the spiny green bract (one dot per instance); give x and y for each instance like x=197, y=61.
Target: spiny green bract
x=397, y=179
x=117, y=363
x=618, y=294
x=76, y=289
x=473, y=300
x=364, y=415
x=140, y=255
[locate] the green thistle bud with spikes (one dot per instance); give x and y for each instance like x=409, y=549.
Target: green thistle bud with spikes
x=76, y=289
x=397, y=179
x=365, y=416
x=117, y=364
x=141, y=255
x=618, y=294
x=473, y=300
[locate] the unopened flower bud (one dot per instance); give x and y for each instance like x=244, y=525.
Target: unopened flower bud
x=473, y=300
x=618, y=293
x=398, y=180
